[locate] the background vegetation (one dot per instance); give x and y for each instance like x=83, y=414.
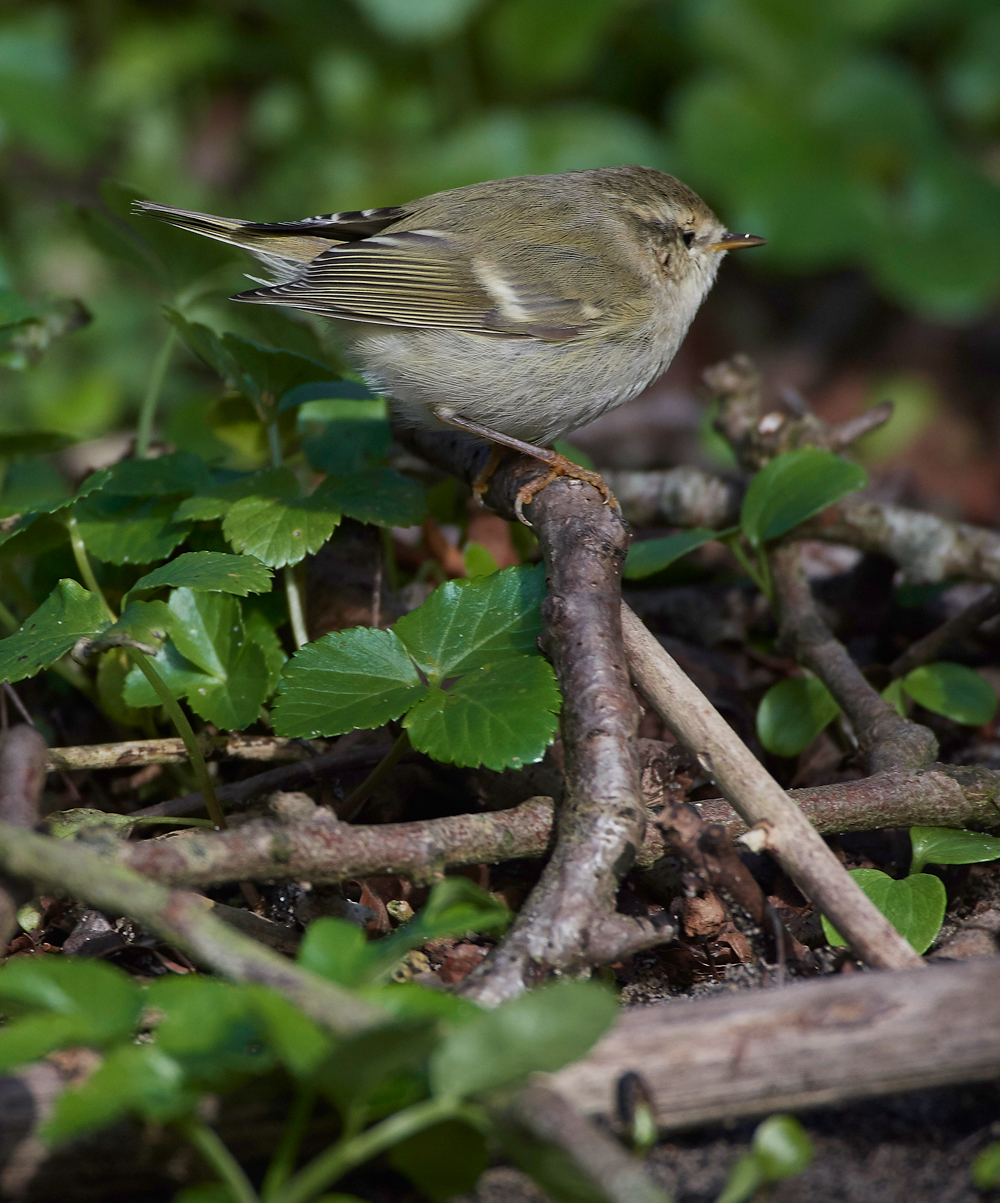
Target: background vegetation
x=859, y=136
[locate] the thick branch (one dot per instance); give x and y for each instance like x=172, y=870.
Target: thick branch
x=569, y=920
x=182, y=919
x=806, y=1045
x=758, y=798
x=887, y=739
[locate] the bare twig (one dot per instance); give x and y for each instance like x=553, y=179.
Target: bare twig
x=182, y=919
x=761, y=802
x=953, y=631
x=809, y=1044
x=292, y=776
x=232, y=746
x=22, y=779
x=886, y=738
x=569, y=921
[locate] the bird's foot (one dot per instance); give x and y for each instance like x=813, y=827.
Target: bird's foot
x=482, y=481
x=559, y=465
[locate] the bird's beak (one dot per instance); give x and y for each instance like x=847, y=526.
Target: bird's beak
x=733, y=242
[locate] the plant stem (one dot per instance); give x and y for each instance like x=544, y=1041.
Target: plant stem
x=296, y=612
x=752, y=570
x=346, y=1154
x=83, y=562
x=147, y=411
x=388, y=762
x=230, y=1173
x=283, y=1161
x=185, y=731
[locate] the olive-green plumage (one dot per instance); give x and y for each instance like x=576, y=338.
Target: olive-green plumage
x=530, y=306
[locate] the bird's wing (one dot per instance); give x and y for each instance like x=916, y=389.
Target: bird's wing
x=430, y=279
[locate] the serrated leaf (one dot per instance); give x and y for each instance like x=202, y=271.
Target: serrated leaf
x=381, y=496
x=206, y=344
x=500, y=715
x=177, y=474
x=210, y=661
x=540, y=1031
x=464, y=625
x=133, y=1079
x=209, y=571
x=121, y=242
x=141, y=622
x=361, y=677
x=953, y=690
x=280, y=531
x=914, y=905
x=653, y=555
x=270, y=373
x=793, y=487
x=951, y=846
x=123, y=530
x=215, y=502
x=260, y=632
x=69, y=613
x=792, y=713
x=34, y=534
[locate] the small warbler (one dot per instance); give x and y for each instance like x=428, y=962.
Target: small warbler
x=518, y=310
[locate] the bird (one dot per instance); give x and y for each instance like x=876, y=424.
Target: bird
x=516, y=310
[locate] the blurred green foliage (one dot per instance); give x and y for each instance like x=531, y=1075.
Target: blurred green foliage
x=860, y=133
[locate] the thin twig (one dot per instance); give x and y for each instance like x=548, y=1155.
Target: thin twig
x=22, y=779
x=130, y=753
x=761, y=802
x=951, y=632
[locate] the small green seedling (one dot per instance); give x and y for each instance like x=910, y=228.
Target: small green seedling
x=915, y=904
x=780, y=1149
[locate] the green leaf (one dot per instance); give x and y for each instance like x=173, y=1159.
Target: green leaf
x=499, y=715
x=69, y=613
x=653, y=555
x=361, y=677
x=210, y=661
x=211, y=571
x=743, y=1181
x=793, y=487
x=133, y=1079
x=263, y=634
x=985, y=1168
x=456, y=907
x=296, y=1041
x=179, y=474
x=336, y=950
x=206, y=344
x=338, y=390
x=269, y=374
x=381, y=496
x=479, y=560
x=782, y=1147
x=124, y=530
x=953, y=690
x=32, y=442
x=211, y=1028
x=893, y=694
x=540, y=1031
x=85, y=1002
x=468, y=624
x=914, y=906
x=792, y=713
x=121, y=242
x=280, y=531
x=217, y=501
x=951, y=846
x=362, y=1064
x=443, y=1161
x=141, y=622
x=347, y=444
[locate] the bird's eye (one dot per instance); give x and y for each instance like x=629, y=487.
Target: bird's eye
x=688, y=237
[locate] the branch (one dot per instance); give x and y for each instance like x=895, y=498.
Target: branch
x=887, y=739
x=951, y=632
x=231, y=746
x=179, y=918
x=22, y=779
x=806, y=1045
x=761, y=802
x=569, y=920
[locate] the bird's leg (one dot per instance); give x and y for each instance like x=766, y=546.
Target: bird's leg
x=482, y=481
x=558, y=465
